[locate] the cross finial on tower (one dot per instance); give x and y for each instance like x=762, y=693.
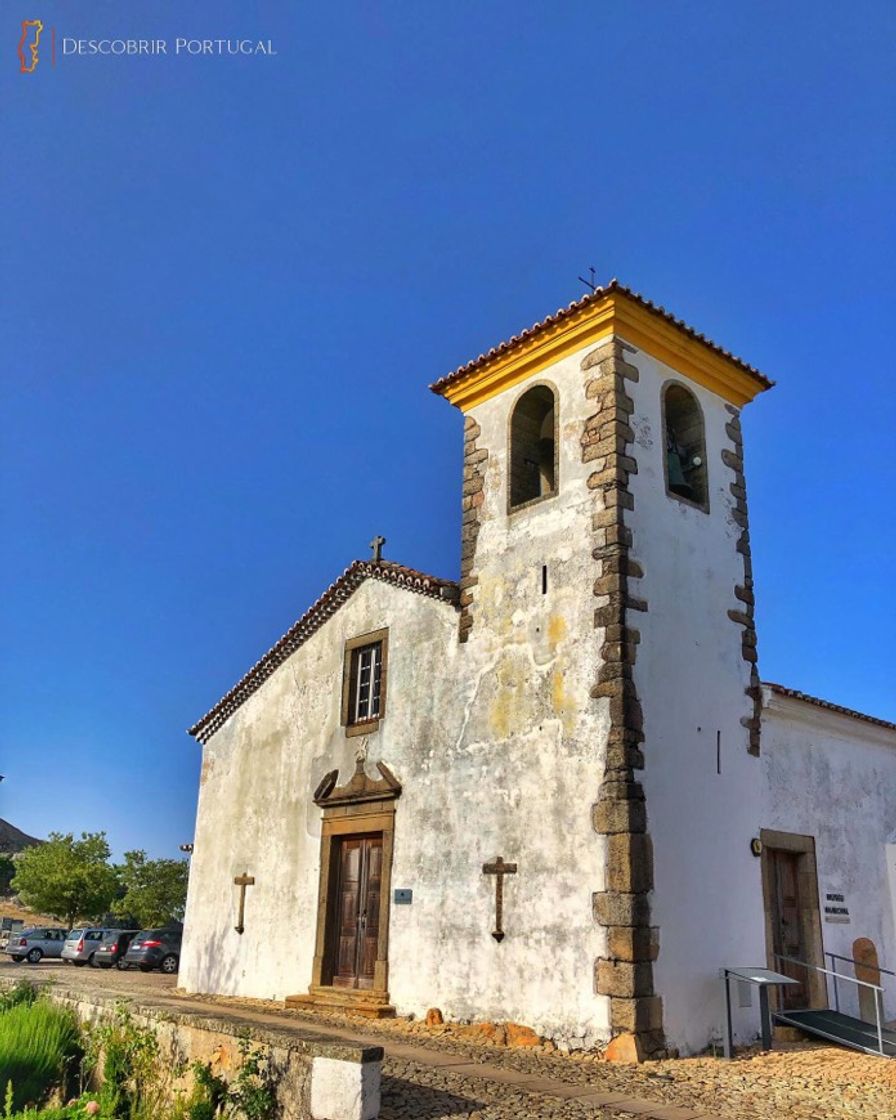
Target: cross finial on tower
x=592, y=283
x=376, y=546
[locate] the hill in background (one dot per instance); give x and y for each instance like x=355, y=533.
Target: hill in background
x=13, y=840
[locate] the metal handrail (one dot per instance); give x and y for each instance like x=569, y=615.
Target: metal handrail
x=852, y=960
x=829, y=972
x=876, y=988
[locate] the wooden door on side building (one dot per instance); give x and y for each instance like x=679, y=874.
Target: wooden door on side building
x=788, y=925
x=356, y=914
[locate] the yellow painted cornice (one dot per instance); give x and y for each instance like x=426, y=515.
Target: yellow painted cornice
x=614, y=312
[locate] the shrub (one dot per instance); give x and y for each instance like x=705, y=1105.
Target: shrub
x=132, y=1076
x=135, y=1077
x=21, y=992
x=38, y=1043
x=74, y=1110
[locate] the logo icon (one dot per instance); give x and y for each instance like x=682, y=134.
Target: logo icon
x=28, y=45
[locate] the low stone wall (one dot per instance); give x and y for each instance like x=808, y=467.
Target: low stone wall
x=317, y=1077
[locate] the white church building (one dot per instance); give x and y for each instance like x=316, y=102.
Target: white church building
x=554, y=790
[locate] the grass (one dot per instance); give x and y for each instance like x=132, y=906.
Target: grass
x=22, y=992
x=41, y=1053
x=38, y=1044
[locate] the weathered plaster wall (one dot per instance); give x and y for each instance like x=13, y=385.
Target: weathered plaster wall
x=691, y=677
x=260, y=770
x=834, y=778
x=529, y=758
x=498, y=749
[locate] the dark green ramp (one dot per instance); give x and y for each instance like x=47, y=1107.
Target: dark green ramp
x=840, y=1028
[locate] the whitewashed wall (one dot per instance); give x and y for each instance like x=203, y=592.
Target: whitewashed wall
x=833, y=777
x=260, y=770
x=500, y=751
x=532, y=660
x=691, y=677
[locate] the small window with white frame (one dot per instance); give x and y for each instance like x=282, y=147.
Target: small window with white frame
x=364, y=682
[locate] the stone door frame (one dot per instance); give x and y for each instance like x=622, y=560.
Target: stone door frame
x=371, y=819
x=364, y=806
x=810, y=911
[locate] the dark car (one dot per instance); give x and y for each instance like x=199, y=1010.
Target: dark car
x=115, y=945
x=155, y=948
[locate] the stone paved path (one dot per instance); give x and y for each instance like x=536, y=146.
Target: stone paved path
x=433, y=1076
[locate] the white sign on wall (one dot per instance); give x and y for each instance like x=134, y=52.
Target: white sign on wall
x=836, y=908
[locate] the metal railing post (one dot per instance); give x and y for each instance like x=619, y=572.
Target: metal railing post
x=834, y=973
x=878, y=1011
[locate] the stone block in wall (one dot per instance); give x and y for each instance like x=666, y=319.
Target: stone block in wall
x=633, y=943
x=611, y=816
x=344, y=1090
x=626, y=979
x=636, y=1015
x=620, y=908
x=630, y=863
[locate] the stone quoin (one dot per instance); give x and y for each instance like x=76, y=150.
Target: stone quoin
x=564, y=765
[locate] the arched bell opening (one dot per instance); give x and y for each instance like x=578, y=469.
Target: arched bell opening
x=685, y=439
x=533, y=446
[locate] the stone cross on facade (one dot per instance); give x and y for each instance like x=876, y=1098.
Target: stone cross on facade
x=243, y=881
x=376, y=546
x=499, y=869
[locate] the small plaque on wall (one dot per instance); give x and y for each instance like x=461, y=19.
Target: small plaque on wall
x=835, y=907
x=402, y=896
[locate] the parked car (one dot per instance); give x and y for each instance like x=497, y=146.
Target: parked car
x=81, y=944
x=115, y=945
x=9, y=928
x=32, y=945
x=155, y=948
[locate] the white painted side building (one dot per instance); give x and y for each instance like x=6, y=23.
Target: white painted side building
x=581, y=704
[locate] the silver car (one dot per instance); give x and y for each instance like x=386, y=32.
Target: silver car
x=32, y=945
x=81, y=944
x=11, y=927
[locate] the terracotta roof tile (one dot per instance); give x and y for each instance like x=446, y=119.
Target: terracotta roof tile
x=564, y=312
x=780, y=690
x=316, y=615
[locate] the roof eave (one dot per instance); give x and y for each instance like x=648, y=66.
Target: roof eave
x=611, y=310
x=342, y=588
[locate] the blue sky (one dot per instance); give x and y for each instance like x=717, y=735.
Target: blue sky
x=228, y=282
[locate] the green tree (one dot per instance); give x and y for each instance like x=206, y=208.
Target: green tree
x=155, y=890
x=7, y=870
x=67, y=878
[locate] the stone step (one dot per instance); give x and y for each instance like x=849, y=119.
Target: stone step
x=370, y=1005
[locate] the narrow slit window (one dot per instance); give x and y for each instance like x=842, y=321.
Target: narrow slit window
x=544, y=579
x=533, y=446
x=686, y=475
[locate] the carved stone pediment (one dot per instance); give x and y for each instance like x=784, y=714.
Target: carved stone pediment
x=359, y=788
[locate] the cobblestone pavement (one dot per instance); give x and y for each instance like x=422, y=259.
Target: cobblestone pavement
x=434, y=1073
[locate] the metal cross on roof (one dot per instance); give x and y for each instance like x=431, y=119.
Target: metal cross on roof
x=377, y=547
x=592, y=283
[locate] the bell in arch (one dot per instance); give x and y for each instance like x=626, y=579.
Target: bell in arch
x=678, y=484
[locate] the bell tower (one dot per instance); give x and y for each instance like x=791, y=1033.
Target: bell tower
x=605, y=533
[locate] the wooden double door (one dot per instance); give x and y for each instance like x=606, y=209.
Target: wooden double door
x=354, y=926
